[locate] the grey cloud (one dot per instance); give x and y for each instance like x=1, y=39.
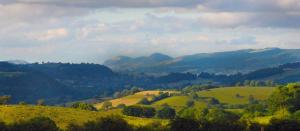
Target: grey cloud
x=111, y=3
x=253, y=5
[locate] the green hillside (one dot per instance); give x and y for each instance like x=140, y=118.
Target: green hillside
x=132, y=99
x=64, y=116
x=178, y=102
x=228, y=95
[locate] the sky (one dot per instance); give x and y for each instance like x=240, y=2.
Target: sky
x=96, y=30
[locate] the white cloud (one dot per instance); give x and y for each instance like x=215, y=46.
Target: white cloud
x=49, y=34
x=99, y=29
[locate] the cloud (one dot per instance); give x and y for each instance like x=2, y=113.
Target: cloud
x=49, y=34
x=111, y=3
x=99, y=29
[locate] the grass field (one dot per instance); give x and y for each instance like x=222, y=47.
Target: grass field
x=133, y=99
x=178, y=102
x=228, y=94
x=63, y=116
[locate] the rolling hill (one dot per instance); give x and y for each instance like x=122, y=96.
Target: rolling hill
x=220, y=62
x=226, y=95
x=28, y=85
x=64, y=116
x=133, y=99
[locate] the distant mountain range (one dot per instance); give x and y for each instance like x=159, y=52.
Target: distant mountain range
x=64, y=82
x=230, y=62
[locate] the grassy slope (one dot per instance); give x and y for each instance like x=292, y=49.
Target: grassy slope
x=62, y=116
x=131, y=99
x=228, y=94
x=178, y=102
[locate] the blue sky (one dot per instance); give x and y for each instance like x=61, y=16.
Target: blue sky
x=96, y=30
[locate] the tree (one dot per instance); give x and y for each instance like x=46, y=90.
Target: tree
x=40, y=102
x=252, y=83
x=110, y=123
x=283, y=125
x=183, y=124
x=237, y=95
x=83, y=106
x=221, y=116
x=213, y=101
x=194, y=95
x=36, y=124
x=166, y=113
x=117, y=95
x=121, y=106
x=246, y=83
x=3, y=126
x=238, y=84
x=252, y=100
x=269, y=83
x=106, y=105
x=285, y=97
x=4, y=100
x=139, y=111
x=190, y=103
x=144, y=101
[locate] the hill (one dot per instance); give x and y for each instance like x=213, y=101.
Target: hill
x=282, y=74
x=128, y=63
x=228, y=95
x=57, y=82
x=221, y=62
x=24, y=84
x=133, y=99
x=64, y=116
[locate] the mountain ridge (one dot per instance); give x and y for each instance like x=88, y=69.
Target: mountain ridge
x=229, y=62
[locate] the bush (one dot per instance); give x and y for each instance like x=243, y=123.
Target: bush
x=190, y=103
x=110, y=123
x=154, y=126
x=3, y=127
x=166, y=113
x=121, y=106
x=144, y=101
x=35, y=124
x=84, y=106
x=213, y=101
x=283, y=125
x=139, y=111
x=182, y=124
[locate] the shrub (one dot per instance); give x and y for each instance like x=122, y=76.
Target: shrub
x=35, y=124
x=283, y=125
x=213, y=101
x=139, y=111
x=144, y=101
x=121, y=106
x=166, y=113
x=190, y=103
x=110, y=123
x=84, y=106
x=154, y=126
x=182, y=124
x=3, y=127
